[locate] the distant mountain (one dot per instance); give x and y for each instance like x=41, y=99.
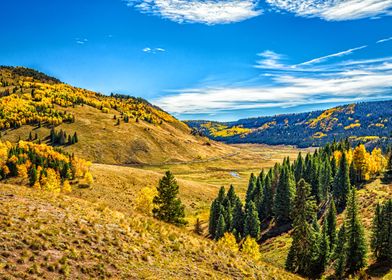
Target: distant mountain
x=112, y=129
x=366, y=122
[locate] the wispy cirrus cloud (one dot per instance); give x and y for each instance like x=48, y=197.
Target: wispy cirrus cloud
x=200, y=11
x=338, y=54
x=335, y=10
x=384, y=40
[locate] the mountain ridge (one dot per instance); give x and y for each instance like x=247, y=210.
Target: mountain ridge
x=361, y=122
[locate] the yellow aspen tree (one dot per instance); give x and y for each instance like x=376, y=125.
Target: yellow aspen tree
x=361, y=162
x=228, y=241
x=88, y=178
x=250, y=248
x=144, y=201
x=66, y=187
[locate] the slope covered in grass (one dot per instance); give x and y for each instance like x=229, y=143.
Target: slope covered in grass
x=110, y=129
x=47, y=236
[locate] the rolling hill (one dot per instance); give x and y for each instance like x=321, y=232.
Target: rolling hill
x=362, y=122
x=112, y=129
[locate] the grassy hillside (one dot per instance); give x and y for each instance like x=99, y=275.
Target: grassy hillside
x=48, y=237
x=110, y=129
x=362, y=122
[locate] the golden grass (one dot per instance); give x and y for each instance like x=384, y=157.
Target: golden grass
x=102, y=141
x=60, y=237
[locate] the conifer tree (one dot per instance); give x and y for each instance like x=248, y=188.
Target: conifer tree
x=339, y=253
x=342, y=183
x=301, y=253
x=221, y=226
x=377, y=227
x=323, y=251
x=382, y=232
x=238, y=219
x=252, y=222
x=251, y=188
x=215, y=211
x=168, y=207
x=299, y=168
x=331, y=224
x=284, y=196
x=356, y=250
x=326, y=179
x=33, y=176
x=266, y=207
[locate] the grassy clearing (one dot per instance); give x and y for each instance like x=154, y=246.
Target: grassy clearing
x=60, y=237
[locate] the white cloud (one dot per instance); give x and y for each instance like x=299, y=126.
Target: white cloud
x=335, y=10
x=199, y=11
x=384, y=40
x=81, y=41
x=270, y=60
x=343, y=82
x=339, y=54
x=153, y=50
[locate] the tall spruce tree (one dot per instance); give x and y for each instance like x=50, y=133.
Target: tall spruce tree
x=299, y=168
x=266, y=206
x=326, y=179
x=168, y=206
x=215, y=211
x=339, y=254
x=331, y=223
x=251, y=188
x=238, y=219
x=356, y=251
x=342, y=183
x=377, y=230
x=284, y=197
x=301, y=254
x=382, y=232
x=221, y=226
x=252, y=222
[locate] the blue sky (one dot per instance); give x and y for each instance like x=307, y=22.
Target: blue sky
x=209, y=59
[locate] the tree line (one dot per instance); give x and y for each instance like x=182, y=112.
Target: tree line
x=294, y=194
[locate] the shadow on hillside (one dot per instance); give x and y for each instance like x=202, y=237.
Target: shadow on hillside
x=379, y=269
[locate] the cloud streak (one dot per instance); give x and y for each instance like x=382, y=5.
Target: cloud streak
x=339, y=54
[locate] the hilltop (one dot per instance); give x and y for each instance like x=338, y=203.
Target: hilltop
x=112, y=129
x=362, y=122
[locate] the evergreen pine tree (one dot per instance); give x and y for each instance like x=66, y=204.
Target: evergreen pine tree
x=326, y=179
x=301, y=253
x=284, y=196
x=221, y=226
x=299, y=168
x=340, y=252
x=168, y=207
x=268, y=197
x=356, y=251
x=252, y=222
x=251, y=188
x=238, y=219
x=33, y=176
x=342, y=183
x=376, y=241
x=331, y=223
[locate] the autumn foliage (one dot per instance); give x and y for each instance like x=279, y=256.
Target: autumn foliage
x=42, y=166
